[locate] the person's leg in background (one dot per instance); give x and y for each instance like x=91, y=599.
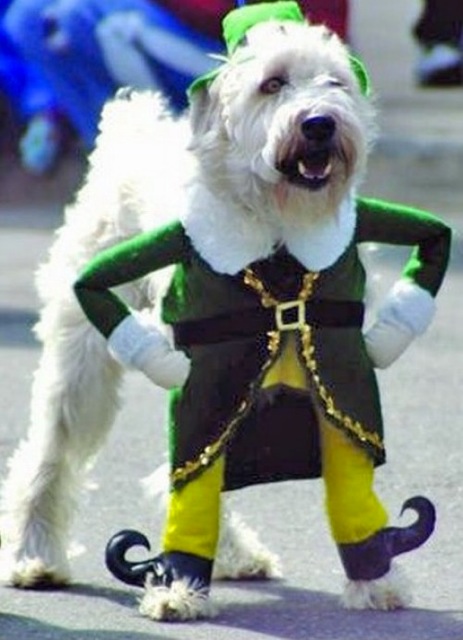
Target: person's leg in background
x=438, y=33
x=41, y=126
x=63, y=37
x=148, y=47
x=59, y=38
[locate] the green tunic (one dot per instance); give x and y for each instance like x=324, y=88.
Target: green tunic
x=219, y=408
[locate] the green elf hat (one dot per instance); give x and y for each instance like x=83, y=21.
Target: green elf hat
x=238, y=21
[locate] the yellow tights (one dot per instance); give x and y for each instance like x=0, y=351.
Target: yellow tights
x=354, y=511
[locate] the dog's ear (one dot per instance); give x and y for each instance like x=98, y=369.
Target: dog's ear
x=203, y=112
x=199, y=107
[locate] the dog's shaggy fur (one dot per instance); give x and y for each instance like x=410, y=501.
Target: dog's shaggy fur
x=236, y=163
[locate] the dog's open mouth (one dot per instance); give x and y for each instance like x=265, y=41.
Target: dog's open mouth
x=310, y=171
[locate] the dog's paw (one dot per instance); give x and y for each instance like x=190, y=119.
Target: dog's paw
x=177, y=603
x=387, y=593
x=32, y=573
x=241, y=555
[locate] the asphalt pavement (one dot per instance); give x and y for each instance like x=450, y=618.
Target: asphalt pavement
x=418, y=159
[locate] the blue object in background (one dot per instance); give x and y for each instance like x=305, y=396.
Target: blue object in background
x=75, y=67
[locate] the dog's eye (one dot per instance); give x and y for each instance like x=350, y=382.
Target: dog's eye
x=334, y=82
x=272, y=85
x=324, y=80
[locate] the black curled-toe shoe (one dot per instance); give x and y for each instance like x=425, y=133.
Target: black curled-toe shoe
x=176, y=583
x=371, y=559
x=162, y=569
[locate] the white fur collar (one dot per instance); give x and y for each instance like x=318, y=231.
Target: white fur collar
x=231, y=238
x=321, y=242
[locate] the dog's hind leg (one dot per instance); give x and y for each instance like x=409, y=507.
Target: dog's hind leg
x=74, y=399
x=241, y=555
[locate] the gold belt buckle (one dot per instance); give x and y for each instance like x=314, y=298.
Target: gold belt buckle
x=282, y=308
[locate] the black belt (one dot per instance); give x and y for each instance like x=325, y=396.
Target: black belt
x=286, y=316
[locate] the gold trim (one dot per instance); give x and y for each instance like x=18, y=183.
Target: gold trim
x=308, y=351
x=274, y=341
x=211, y=451
x=267, y=300
x=353, y=426
x=308, y=285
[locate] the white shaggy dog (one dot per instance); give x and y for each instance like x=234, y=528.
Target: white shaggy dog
x=238, y=161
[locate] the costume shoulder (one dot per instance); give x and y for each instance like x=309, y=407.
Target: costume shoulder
x=397, y=224
x=138, y=256
x=385, y=221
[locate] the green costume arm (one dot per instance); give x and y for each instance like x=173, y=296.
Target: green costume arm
x=391, y=223
x=125, y=262
x=408, y=308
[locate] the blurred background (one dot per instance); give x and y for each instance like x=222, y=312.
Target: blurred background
x=61, y=59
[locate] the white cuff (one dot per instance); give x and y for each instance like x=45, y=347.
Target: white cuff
x=408, y=305
x=407, y=312
x=135, y=343
x=385, y=343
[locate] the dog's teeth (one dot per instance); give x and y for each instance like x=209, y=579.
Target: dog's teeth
x=303, y=169
x=308, y=173
x=327, y=171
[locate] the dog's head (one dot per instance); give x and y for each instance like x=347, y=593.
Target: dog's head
x=285, y=117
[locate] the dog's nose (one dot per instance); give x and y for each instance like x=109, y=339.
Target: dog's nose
x=318, y=128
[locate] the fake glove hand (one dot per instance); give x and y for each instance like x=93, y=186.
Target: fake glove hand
x=405, y=314
x=137, y=343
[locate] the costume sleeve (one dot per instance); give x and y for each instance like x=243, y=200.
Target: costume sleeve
x=409, y=306
x=125, y=262
x=134, y=340
x=390, y=223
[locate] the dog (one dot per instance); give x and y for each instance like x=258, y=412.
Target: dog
x=271, y=153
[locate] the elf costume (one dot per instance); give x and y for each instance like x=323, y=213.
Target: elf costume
x=273, y=376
